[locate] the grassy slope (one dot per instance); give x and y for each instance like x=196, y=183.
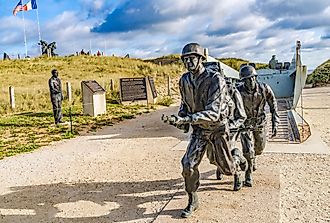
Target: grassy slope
x=30, y=77
x=321, y=75
x=236, y=63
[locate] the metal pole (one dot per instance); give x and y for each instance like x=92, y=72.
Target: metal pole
x=39, y=30
x=105, y=48
x=24, y=34
x=302, y=108
x=168, y=85
x=90, y=47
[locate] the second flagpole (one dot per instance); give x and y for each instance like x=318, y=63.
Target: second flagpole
x=39, y=31
x=24, y=35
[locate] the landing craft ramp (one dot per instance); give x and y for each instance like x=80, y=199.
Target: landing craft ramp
x=287, y=82
x=290, y=128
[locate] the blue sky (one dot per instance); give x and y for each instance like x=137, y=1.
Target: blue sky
x=249, y=29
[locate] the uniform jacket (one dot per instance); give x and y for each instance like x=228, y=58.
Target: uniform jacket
x=255, y=102
x=55, y=87
x=203, y=98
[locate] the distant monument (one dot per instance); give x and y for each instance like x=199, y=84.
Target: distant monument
x=48, y=49
x=6, y=56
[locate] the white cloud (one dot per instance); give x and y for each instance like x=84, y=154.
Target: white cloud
x=250, y=29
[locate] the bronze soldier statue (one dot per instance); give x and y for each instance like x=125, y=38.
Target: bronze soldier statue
x=236, y=119
x=56, y=95
x=204, y=108
x=255, y=95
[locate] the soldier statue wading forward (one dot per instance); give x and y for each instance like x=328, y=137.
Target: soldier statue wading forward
x=56, y=95
x=204, y=108
x=255, y=95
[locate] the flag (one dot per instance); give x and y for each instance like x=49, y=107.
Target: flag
x=32, y=4
x=18, y=8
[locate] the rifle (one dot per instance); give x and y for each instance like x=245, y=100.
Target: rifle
x=169, y=119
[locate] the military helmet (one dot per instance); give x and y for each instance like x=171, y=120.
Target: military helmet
x=193, y=48
x=247, y=71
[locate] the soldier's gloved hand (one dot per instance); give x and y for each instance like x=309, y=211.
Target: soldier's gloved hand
x=181, y=120
x=274, y=131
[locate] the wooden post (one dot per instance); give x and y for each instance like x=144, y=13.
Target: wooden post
x=168, y=85
x=111, y=85
x=68, y=91
x=12, y=97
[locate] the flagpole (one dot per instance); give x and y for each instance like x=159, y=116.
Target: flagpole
x=105, y=48
x=90, y=47
x=39, y=31
x=24, y=34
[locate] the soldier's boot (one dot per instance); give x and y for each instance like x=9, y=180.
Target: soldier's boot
x=248, y=174
x=193, y=204
x=240, y=163
x=240, y=159
x=237, y=182
x=218, y=174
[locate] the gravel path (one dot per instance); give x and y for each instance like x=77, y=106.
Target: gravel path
x=131, y=173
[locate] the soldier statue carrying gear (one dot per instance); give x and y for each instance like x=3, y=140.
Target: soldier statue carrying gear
x=236, y=118
x=203, y=107
x=56, y=95
x=255, y=95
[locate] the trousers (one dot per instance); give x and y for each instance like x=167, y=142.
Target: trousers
x=253, y=141
x=200, y=140
x=56, y=100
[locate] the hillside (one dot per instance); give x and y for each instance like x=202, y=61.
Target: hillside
x=321, y=75
x=232, y=62
x=237, y=62
x=30, y=125
x=30, y=77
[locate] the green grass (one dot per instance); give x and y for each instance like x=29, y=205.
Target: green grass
x=165, y=101
x=25, y=132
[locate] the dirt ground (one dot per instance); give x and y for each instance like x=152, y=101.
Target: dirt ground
x=131, y=172
x=305, y=178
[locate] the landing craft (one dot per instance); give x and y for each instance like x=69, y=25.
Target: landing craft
x=287, y=80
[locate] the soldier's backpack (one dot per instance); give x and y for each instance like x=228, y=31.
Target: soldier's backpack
x=228, y=105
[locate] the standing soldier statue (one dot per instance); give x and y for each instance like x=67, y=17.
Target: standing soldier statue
x=203, y=106
x=255, y=95
x=56, y=95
